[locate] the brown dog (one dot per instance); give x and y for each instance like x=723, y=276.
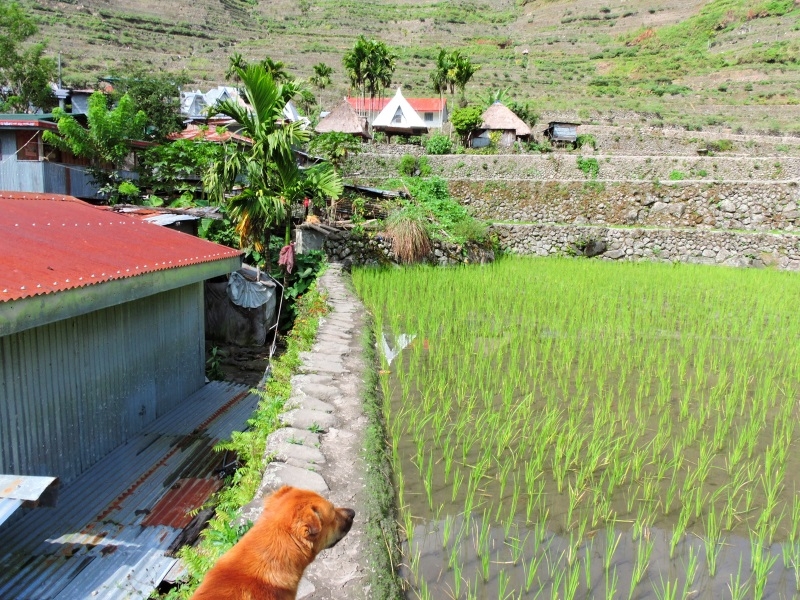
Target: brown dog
x=267, y=563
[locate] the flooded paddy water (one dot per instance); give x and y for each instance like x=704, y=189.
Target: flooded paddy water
x=571, y=428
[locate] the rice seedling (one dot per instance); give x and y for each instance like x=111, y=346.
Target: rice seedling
x=738, y=589
x=684, y=421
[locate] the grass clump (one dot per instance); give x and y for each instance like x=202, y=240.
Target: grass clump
x=410, y=240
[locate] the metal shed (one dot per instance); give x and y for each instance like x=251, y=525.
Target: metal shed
x=561, y=132
x=101, y=329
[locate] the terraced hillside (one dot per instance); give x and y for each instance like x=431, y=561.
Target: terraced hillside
x=697, y=64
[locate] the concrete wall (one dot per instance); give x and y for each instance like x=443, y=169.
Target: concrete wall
x=72, y=391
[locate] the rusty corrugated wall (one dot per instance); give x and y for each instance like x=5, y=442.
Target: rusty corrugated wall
x=72, y=391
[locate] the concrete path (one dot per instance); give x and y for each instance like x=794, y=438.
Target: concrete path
x=321, y=447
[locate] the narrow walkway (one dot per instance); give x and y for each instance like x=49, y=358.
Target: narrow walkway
x=322, y=446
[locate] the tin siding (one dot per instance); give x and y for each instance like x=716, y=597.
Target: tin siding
x=72, y=391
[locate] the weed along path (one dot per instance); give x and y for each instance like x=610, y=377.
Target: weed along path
x=321, y=448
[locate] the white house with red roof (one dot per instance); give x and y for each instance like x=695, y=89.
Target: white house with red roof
x=431, y=111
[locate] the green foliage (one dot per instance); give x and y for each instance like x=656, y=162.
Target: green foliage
x=465, y=120
x=157, y=95
x=413, y=166
x=335, y=147
x=105, y=142
x=128, y=189
x=542, y=146
x=380, y=519
x=171, y=171
x=25, y=73
x=588, y=166
x=443, y=216
x=525, y=111
x=307, y=267
x=438, y=144
x=370, y=65
x=214, y=366
x=586, y=139
x=676, y=176
x=720, y=145
x=453, y=71
x=273, y=181
x=322, y=75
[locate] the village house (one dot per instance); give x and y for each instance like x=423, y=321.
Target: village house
x=28, y=164
x=102, y=385
x=344, y=119
x=499, y=119
x=432, y=112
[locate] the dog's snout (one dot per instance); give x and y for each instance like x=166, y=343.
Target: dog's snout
x=349, y=513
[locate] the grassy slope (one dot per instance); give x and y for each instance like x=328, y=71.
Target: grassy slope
x=688, y=62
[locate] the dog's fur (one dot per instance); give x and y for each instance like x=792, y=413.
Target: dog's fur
x=267, y=563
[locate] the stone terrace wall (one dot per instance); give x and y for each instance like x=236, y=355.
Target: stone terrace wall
x=781, y=251
x=355, y=248
x=374, y=168
x=759, y=207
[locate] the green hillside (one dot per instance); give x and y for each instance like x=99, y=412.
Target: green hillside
x=692, y=63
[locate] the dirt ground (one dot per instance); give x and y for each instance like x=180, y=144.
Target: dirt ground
x=241, y=364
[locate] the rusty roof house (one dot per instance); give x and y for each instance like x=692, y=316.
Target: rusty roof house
x=102, y=384
x=28, y=164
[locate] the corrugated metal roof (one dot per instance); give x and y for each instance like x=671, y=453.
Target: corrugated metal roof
x=98, y=542
x=50, y=243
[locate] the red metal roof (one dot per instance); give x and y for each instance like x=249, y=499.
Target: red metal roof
x=208, y=134
x=378, y=104
x=51, y=243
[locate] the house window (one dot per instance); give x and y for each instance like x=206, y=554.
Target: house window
x=429, y=117
x=27, y=145
x=398, y=117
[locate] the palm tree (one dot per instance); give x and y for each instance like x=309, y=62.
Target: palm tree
x=277, y=69
x=464, y=70
x=322, y=75
x=236, y=61
x=267, y=168
x=370, y=65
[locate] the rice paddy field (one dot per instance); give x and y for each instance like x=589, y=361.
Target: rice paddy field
x=567, y=428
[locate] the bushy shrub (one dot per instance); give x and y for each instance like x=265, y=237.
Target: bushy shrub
x=438, y=144
x=676, y=176
x=407, y=165
x=720, y=146
x=586, y=139
x=542, y=146
x=589, y=167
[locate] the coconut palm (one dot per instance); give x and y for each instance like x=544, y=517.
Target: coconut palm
x=267, y=168
x=322, y=75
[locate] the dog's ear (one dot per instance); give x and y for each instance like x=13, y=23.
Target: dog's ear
x=278, y=494
x=308, y=526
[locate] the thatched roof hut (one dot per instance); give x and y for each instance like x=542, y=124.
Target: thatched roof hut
x=343, y=119
x=499, y=117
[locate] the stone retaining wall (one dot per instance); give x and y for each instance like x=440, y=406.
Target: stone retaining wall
x=355, y=248
x=738, y=249
x=758, y=207
x=560, y=166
